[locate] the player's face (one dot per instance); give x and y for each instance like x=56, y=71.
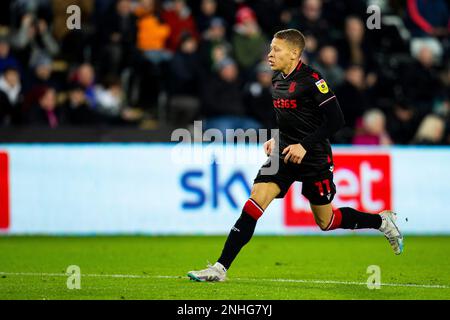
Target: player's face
x=281, y=54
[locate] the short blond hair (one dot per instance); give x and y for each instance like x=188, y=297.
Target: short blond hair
x=293, y=36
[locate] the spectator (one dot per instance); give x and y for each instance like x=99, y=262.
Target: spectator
x=421, y=83
x=258, y=97
x=185, y=81
x=208, y=11
x=335, y=12
x=223, y=102
x=185, y=67
x=373, y=129
x=152, y=32
x=402, y=123
x=119, y=38
x=431, y=131
x=34, y=38
x=178, y=17
x=328, y=67
x=355, y=47
x=249, y=44
x=309, y=54
x=286, y=19
x=111, y=103
x=42, y=73
x=85, y=76
x=352, y=95
x=310, y=21
x=110, y=97
x=6, y=58
x=44, y=112
x=268, y=13
x=214, y=47
x=76, y=109
x=10, y=96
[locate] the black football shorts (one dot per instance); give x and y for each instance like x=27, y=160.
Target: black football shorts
x=317, y=181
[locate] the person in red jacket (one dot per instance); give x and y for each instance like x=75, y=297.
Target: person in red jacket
x=179, y=18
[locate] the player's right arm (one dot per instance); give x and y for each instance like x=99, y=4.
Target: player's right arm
x=268, y=146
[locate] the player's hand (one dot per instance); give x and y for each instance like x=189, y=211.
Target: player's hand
x=268, y=146
x=294, y=153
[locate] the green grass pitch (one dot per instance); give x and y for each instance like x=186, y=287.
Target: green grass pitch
x=269, y=267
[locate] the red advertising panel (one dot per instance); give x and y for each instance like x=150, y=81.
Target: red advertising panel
x=4, y=191
x=363, y=182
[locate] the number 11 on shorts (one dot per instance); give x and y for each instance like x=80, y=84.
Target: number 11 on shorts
x=320, y=186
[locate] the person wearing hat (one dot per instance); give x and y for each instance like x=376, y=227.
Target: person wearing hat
x=249, y=43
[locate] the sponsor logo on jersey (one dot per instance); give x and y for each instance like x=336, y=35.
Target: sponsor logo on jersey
x=285, y=103
x=322, y=86
x=292, y=87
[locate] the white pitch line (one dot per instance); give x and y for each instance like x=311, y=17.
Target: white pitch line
x=132, y=276
x=437, y=286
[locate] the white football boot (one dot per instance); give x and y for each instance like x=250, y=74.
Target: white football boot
x=391, y=231
x=213, y=273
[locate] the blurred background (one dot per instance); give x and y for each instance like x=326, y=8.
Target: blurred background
x=137, y=69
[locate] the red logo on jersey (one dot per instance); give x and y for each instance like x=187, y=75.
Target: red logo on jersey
x=315, y=75
x=285, y=103
x=292, y=87
x=363, y=182
x=4, y=191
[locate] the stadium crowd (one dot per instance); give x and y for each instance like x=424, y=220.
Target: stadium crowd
x=152, y=61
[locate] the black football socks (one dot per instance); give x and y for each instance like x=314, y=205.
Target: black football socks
x=349, y=218
x=241, y=232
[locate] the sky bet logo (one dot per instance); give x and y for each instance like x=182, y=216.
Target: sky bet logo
x=363, y=182
x=199, y=183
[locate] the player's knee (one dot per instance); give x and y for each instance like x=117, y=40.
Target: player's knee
x=264, y=193
x=323, y=226
x=260, y=197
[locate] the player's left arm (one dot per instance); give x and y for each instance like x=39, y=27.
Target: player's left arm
x=333, y=120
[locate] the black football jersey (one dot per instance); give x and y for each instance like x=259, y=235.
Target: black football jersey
x=297, y=99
